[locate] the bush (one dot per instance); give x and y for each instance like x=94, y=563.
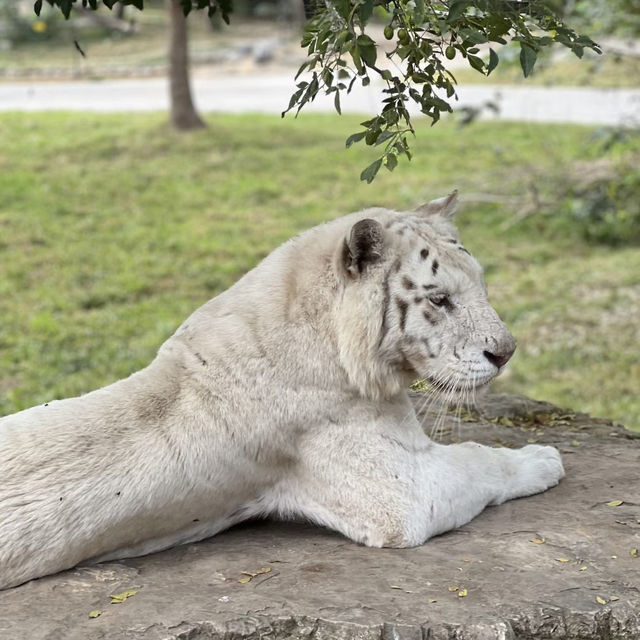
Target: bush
x=19, y=24
x=608, y=209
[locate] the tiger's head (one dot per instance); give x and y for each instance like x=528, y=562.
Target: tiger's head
x=413, y=305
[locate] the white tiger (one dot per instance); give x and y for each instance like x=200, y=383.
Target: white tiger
x=284, y=395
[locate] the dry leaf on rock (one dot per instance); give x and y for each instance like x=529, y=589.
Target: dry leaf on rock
x=538, y=540
x=95, y=613
x=117, y=598
x=600, y=600
x=462, y=593
x=249, y=576
x=614, y=503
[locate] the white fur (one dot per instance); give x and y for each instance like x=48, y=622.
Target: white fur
x=283, y=395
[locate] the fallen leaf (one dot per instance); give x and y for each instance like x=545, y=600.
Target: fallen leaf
x=582, y=569
x=614, y=557
x=614, y=598
x=633, y=553
x=452, y=589
x=462, y=593
x=431, y=601
x=575, y=443
x=600, y=600
x=250, y=576
x=395, y=586
x=538, y=540
x=117, y=598
x=562, y=559
x=465, y=559
x=614, y=503
x=95, y=613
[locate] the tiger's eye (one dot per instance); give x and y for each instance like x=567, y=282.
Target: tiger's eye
x=440, y=300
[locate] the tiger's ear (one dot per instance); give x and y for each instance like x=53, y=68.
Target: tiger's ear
x=445, y=207
x=363, y=246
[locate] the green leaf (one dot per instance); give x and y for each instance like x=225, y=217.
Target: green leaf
x=366, y=9
x=65, y=7
x=302, y=67
x=476, y=62
x=370, y=172
x=357, y=61
x=418, y=12
x=391, y=161
x=355, y=137
x=336, y=103
x=138, y=4
x=578, y=51
x=384, y=136
x=372, y=135
x=528, y=57
x=474, y=36
x=493, y=61
x=367, y=48
x=37, y=7
x=456, y=10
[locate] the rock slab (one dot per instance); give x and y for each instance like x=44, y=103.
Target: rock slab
x=560, y=566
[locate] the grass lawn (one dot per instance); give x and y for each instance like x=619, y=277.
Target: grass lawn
x=113, y=229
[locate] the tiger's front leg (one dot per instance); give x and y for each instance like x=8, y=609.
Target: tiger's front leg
x=385, y=490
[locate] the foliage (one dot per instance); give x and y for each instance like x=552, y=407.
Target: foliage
x=424, y=35
x=608, y=210
x=606, y=207
x=212, y=7
x=102, y=259
x=17, y=26
x=619, y=17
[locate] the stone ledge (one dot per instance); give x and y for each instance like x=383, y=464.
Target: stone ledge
x=323, y=587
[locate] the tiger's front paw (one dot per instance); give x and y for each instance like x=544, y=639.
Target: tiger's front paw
x=538, y=468
x=532, y=469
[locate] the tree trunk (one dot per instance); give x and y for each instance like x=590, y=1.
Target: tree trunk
x=183, y=113
x=120, y=11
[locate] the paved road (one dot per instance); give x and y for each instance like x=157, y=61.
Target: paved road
x=270, y=94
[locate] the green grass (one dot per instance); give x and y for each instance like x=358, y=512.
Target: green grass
x=113, y=229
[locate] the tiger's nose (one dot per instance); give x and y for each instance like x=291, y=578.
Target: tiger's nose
x=500, y=358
